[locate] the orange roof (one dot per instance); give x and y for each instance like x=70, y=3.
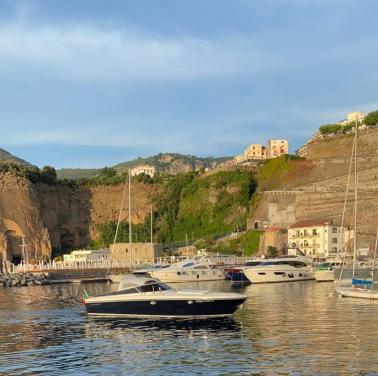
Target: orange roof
x=314, y=222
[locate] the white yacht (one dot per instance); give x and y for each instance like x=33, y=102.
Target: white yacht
x=279, y=270
x=189, y=271
x=148, y=297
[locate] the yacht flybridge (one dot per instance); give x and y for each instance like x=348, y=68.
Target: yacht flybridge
x=189, y=271
x=148, y=297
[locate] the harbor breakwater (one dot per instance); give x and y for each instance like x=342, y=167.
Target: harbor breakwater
x=23, y=279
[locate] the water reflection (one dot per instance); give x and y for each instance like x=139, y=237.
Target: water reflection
x=298, y=328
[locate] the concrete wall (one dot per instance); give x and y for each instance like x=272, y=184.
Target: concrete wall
x=144, y=252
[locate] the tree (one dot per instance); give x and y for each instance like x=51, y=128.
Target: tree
x=272, y=251
x=108, y=172
x=48, y=175
x=371, y=118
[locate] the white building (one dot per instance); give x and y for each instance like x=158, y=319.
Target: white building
x=84, y=255
x=316, y=238
x=143, y=169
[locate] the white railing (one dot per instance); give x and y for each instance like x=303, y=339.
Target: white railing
x=107, y=264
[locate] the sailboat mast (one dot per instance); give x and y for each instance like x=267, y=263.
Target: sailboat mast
x=151, y=229
x=130, y=232
x=355, y=198
x=375, y=256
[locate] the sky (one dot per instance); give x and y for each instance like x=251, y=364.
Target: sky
x=89, y=83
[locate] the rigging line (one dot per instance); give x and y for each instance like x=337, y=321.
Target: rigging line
x=375, y=255
x=118, y=223
x=345, y=203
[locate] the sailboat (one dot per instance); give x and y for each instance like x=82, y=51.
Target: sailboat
x=361, y=288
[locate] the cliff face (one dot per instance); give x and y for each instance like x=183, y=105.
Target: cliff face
x=20, y=215
x=59, y=217
x=318, y=191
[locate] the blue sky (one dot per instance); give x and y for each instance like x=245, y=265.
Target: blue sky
x=88, y=83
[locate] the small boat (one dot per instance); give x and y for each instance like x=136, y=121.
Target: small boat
x=279, y=270
x=189, y=271
x=325, y=272
x=236, y=274
x=149, y=297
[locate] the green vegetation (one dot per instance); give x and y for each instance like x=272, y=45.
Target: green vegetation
x=371, y=118
x=274, y=172
x=6, y=158
x=245, y=245
x=34, y=174
x=329, y=128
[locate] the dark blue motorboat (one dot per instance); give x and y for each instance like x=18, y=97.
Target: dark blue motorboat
x=148, y=297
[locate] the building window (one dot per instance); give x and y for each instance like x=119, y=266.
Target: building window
x=297, y=232
x=334, y=240
x=314, y=232
x=334, y=230
x=305, y=232
x=334, y=249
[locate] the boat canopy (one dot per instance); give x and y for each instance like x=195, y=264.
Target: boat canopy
x=130, y=281
x=366, y=282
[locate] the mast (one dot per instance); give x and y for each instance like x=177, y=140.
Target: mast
x=130, y=233
x=375, y=255
x=355, y=199
x=151, y=229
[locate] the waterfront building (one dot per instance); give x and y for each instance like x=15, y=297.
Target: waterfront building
x=138, y=252
x=276, y=148
x=87, y=255
x=143, y=169
x=316, y=238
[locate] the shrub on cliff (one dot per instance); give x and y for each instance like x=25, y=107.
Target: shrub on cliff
x=371, y=118
x=329, y=128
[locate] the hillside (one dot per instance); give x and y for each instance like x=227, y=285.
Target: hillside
x=170, y=163
x=6, y=157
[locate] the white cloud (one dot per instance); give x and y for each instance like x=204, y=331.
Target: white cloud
x=92, y=52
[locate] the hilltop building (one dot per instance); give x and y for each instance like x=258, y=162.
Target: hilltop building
x=276, y=148
x=143, y=169
x=316, y=238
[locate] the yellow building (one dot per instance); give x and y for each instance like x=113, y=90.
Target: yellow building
x=254, y=151
x=353, y=116
x=276, y=148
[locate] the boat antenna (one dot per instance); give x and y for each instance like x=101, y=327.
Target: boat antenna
x=130, y=232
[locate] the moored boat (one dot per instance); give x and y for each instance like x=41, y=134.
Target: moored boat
x=325, y=272
x=279, y=270
x=189, y=271
x=148, y=297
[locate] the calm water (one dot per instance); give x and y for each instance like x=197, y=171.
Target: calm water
x=293, y=328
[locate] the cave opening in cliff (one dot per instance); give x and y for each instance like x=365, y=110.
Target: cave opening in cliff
x=67, y=240
x=14, y=248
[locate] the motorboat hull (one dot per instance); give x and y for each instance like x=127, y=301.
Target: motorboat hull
x=165, y=308
x=276, y=275
x=351, y=292
x=324, y=275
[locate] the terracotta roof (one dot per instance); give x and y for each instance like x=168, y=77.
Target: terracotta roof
x=314, y=222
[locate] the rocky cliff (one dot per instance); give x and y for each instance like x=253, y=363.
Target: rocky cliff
x=59, y=216
x=315, y=188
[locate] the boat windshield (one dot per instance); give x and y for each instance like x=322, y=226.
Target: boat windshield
x=252, y=263
x=296, y=264
x=154, y=287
